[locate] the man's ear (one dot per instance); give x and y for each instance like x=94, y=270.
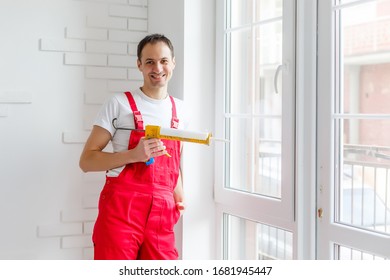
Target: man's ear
x=174, y=63
x=139, y=64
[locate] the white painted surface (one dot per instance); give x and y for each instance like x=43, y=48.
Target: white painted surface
x=61, y=57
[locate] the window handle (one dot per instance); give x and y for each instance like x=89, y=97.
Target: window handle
x=280, y=67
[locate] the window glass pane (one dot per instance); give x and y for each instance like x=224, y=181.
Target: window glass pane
x=345, y=253
x=366, y=57
x=240, y=12
x=241, y=72
x=255, y=156
x=268, y=164
x=248, y=240
x=371, y=134
x=366, y=88
x=268, y=46
x=364, y=194
x=254, y=126
x=343, y=2
x=266, y=9
x=243, y=67
x=241, y=154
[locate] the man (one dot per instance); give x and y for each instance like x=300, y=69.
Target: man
x=140, y=203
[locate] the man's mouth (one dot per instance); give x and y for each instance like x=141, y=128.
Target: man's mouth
x=157, y=75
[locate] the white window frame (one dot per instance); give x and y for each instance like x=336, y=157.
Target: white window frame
x=275, y=212
x=331, y=232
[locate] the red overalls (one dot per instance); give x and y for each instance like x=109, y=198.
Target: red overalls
x=137, y=211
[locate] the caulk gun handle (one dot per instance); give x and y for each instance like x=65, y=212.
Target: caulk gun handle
x=150, y=161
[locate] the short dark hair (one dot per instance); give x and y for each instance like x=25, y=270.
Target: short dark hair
x=152, y=39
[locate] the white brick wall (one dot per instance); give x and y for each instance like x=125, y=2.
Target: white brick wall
x=48, y=205
x=84, y=59
x=106, y=73
x=138, y=24
x=78, y=215
x=133, y=74
x=82, y=241
x=75, y=137
x=103, y=44
x=60, y=229
x=122, y=61
x=95, y=91
x=16, y=97
x=121, y=86
x=128, y=11
x=132, y=48
x=106, y=22
x=85, y=33
x=105, y=47
x=62, y=45
x=3, y=110
x=125, y=36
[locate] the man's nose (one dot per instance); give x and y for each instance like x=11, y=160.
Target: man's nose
x=157, y=67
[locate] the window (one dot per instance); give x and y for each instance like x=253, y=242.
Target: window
x=255, y=88
x=355, y=119
x=246, y=239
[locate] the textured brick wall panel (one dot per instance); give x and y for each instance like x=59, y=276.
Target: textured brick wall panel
x=128, y=11
x=134, y=74
x=83, y=241
x=106, y=1
x=75, y=137
x=122, y=61
x=90, y=201
x=85, y=59
x=132, y=48
x=121, y=86
x=86, y=33
x=64, y=229
x=104, y=45
x=88, y=227
x=78, y=215
x=61, y=45
x=138, y=2
x=137, y=24
x=16, y=97
x=90, y=112
x=3, y=110
x=107, y=22
x=106, y=73
x=126, y=36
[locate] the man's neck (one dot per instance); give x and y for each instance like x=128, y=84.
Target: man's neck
x=155, y=93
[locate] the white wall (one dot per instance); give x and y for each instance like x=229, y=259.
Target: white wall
x=199, y=91
x=167, y=17
x=59, y=60
x=190, y=24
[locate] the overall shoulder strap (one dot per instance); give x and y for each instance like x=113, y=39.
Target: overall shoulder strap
x=174, y=120
x=138, y=121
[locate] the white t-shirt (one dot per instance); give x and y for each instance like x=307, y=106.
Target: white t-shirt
x=153, y=111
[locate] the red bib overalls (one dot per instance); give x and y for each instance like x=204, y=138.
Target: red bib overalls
x=137, y=211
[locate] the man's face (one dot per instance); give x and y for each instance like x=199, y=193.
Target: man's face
x=156, y=65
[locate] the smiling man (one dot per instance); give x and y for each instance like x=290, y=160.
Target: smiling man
x=140, y=203
x=156, y=61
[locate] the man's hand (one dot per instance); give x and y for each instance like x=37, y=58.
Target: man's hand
x=181, y=207
x=149, y=148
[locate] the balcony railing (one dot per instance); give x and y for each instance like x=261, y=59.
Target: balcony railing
x=364, y=188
